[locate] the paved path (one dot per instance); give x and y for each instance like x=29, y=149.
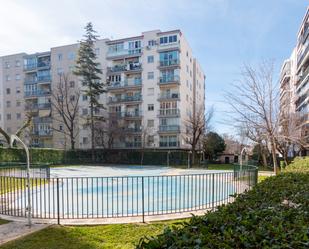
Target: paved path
x=14, y=230
x=266, y=173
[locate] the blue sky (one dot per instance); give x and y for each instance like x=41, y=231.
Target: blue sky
x=223, y=34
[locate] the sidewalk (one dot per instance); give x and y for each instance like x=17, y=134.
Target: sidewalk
x=14, y=230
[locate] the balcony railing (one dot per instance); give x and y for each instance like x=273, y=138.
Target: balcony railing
x=168, y=63
x=46, y=78
x=133, y=144
x=124, y=52
x=127, y=114
x=42, y=132
x=169, y=79
x=170, y=96
x=169, y=46
x=124, y=84
x=30, y=81
x=125, y=99
x=125, y=68
x=32, y=66
x=42, y=120
x=169, y=144
x=37, y=93
x=169, y=112
x=167, y=128
x=132, y=129
x=302, y=56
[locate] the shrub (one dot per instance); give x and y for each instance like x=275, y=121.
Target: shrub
x=274, y=214
x=299, y=165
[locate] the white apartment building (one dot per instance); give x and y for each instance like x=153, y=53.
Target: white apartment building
x=154, y=86
x=294, y=80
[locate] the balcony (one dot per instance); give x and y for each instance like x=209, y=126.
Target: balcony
x=30, y=66
x=43, y=133
x=169, y=63
x=137, y=83
x=169, y=46
x=124, y=53
x=169, y=112
x=133, y=130
x=168, y=80
x=125, y=99
x=37, y=93
x=127, y=68
x=127, y=114
x=38, y=65
x=169, y=128
x=46, y=120
x=301, y=57
x=30, y=81
x=169, y=144
x=171, y=96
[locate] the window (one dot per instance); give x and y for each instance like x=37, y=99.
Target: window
x=60, y=128
x=7, y=64
x=85, y=140
x=17, y=76
x=72, y=98
x=97, y=51
x=8, y=103
x=151, y=43
x=85, y=97
x=71, y=55
x=18, y=103
x=8, y=116
x=150, y=75
x=59, y=57
x=59, y=71
x=72, y=84
x=150, y=140
x=168, y=39
x=17, y=63
x=187, y=97
x=172, y=38
x=8, y=77
x=17, y=89
x=85, y=111
x=150, y=91
x=187, y=67
x=150, y=123
x=163, y=40
x=150, y=107
x=8, y=130
x=18, y=116
x=187, y=83
x=150, y=59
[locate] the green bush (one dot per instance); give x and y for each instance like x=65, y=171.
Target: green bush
x=274, y=214
x=298, y=165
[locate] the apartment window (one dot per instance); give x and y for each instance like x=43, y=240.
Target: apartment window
x=190, y=73
x=17, y=63
x=85, y=111
x=17, y=89
x=187, y=54
x=59, y=57
x=150, y=107
x=71, y=55
x=72, y=98
x=8, y=130
x=59, y=71
x=150, y=75
x=168, y=39
x=151, y=43
x=17, y=76
x=18, y=103
x=8, y=116
x=150, y=59
x=187, y=82
x=7, y=64
x=97, y=111
x=60, y=128
x=150, y=140
x=97, y=51
x=18, y=116
x=172, y=38
x=8, y=103
x=150, y=123
x=187, y=68
x=150, y=91
x=8, y=77
x=85, y=97
x=187, y=97
x=85, y=140
x=72, y=84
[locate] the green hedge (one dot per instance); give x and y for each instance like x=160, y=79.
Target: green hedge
x=54, y=156
x=274, y=214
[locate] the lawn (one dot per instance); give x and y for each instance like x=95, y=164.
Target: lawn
x=90, y=237
x=3, y=222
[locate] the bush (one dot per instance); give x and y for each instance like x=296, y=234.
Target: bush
x=298, y=165
x=274, y=214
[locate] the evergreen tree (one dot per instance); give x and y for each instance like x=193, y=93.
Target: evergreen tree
x=87, y=68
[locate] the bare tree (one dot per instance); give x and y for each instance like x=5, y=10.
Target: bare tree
x=254, y=102
x=65, y=102
x=196, y=127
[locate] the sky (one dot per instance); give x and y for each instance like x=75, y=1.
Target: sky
x=223, y=34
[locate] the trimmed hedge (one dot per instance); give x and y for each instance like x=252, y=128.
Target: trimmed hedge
x=274, y=214
x=299, y=165
x=113, y=156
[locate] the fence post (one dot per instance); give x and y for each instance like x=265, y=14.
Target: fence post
x=58, y=204
x=213, y=191
x=143, y=200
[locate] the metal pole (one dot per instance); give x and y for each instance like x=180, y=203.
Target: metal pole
x=168, y=158
x=143, y=202
x=58, y=204
x=13, y=138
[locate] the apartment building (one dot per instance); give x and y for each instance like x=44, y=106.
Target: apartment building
x=294, y=80
x=154, y=86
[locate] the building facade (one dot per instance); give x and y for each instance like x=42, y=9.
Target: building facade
x=154, y=86
x=294, y=85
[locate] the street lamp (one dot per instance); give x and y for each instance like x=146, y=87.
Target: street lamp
x=241, y=156
x=13, y=138
x=189, y=154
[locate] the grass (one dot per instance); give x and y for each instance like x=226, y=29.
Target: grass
x=89, y=237
x=262, y=178
x=3, y=222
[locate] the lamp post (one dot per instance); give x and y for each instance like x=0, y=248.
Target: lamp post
x=241, y=155
x=13, y=138
x=189, y=154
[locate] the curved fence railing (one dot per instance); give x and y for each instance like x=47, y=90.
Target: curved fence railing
x=107, y=197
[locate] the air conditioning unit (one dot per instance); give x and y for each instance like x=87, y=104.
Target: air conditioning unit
x=148, y=47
